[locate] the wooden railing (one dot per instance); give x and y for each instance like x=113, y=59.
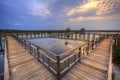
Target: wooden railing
x=109, y=73
x=6, y=65
x=64, y=35
x=59, y=64
x=49, y=59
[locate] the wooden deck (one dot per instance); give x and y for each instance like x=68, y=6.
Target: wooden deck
x=94, y=66
x=24, y=66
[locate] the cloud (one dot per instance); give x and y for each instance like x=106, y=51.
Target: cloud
x=18, y=24
x=38, y=9
x=95, y=18
x=101, y=7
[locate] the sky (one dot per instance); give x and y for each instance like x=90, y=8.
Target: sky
x=60, y=14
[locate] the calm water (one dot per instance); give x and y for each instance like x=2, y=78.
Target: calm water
x=56, y=46
x=2, y=60
x=1, y=64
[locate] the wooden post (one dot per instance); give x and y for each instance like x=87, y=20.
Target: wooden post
x=45, y=34
x=88, y=36
x=93, y=36
x=80, y=36
x=88, y=50
x=61, y=35
x=31, y=35
x=41, y=35
x=30, y=48
x=79, y=55
x=74, y=57
x=76, y=35
x=92, y=45
x=48, y=62
x=83, y=36
x=43, y=58
x=58, y=35
x=71, y=35
x=25, y=45
x=68, y=62
x=38, y=53
x=96, y=41
x=58, y=67
x=22, y=35
x=64, y=35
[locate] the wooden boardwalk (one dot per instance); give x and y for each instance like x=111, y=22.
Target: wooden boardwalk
x=94, y=66
x=24, y=66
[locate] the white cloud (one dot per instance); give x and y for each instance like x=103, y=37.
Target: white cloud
x=100, y=6
x=38, y=9
x=18, y=24
x=95, y=18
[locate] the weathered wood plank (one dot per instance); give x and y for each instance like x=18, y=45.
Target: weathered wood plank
x=94, y=66
x=23, y=66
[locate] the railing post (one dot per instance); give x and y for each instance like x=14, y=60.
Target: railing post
x=88, y=50
x=25, y=45
x=76, y=36
x=31, y=35
x=29, y=47
x=74, y=57
x=92, y=45
x=38, y=53
x=83, y=36
x=88, y=36
x=93, y=36
x=71, y=36
x=69, y=61
x=79, y=55
x=58, y=67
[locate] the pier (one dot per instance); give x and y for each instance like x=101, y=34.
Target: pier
x=90, y=61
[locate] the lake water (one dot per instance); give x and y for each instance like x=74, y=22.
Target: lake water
x=1, y=64
x=56, y=46
x=2, y=58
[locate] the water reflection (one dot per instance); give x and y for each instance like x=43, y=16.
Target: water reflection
x=1, y=64
x=56, y=46
x=2, y=57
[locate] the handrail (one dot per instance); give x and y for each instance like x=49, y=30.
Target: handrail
x=109, y=73
x=68, y=52
x=59, y=64
x=43, y=57
x=38, y=46
x=6, y=65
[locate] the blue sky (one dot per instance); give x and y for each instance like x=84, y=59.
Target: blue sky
x=60, y=14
